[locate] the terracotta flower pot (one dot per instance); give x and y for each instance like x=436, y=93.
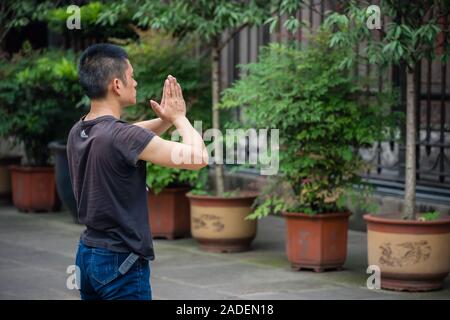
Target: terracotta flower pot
x=317, y=242
x=34, y=189
x=412, y=255
x=169, y=213
x=5, y=176
x=219, y=224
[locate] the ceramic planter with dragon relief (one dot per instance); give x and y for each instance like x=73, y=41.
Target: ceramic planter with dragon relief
x=412, y=255
x=219, y=224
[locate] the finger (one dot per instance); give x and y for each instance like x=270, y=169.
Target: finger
x=176, y=87
x=179, y=91
x=163, y=94
x=175, y=82
x=167, y=89
x=172, y=88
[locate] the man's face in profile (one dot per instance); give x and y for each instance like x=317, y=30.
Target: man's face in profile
x=128, y=91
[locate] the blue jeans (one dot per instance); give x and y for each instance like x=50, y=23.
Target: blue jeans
x=100, y=278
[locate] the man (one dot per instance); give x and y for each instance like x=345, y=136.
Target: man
x=108, y=172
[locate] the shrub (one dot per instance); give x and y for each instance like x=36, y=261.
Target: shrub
x=39, y=95
x=159, y=178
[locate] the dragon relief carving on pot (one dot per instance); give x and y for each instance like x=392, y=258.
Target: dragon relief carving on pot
x=208, y=221
x=405, y=253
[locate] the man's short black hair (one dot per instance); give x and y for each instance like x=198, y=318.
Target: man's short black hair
x=99, y=64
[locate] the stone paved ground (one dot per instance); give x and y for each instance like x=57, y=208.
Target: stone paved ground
x=36, y=249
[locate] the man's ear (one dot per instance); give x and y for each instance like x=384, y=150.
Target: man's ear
x=116, y=86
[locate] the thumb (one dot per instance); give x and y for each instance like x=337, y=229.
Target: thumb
x=156, y=107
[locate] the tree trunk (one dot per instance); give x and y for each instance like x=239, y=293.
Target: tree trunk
x=410, y=156
x=218, y=168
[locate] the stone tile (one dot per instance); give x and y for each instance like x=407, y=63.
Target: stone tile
x=272, y=285
x=238, y=273
x=167, y=289
x=22, y=282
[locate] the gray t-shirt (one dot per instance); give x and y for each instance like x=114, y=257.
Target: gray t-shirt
x=109, y=185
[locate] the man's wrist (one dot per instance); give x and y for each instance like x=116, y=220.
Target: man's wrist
x=179, y=120
x=166, y=121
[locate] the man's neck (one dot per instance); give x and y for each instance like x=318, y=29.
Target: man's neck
x=104, y=107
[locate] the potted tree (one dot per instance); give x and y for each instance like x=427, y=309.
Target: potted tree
x=322, y=122
x=42, y=94
x=412, y=249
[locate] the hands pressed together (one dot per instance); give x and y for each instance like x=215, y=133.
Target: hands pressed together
x=172, y=104
x=189, y=154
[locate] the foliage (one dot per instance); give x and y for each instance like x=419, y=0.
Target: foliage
x=15, y=13
x=430, y=216
x=39, y=93
x=159, y=178
x=207, y=19
x=90, y=22
x=322, y=118
x=409, y=37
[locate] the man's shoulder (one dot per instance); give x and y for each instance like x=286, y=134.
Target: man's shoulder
x=124, y=129
x=73, y=130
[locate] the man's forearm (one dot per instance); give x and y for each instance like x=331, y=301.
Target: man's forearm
x=192, y=138
x=188, y=133
x=158, y=126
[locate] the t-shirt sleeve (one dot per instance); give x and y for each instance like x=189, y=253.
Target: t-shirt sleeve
x=129, y=140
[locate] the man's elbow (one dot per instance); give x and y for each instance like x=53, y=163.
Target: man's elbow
x=205, y=158
x=201, y=160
